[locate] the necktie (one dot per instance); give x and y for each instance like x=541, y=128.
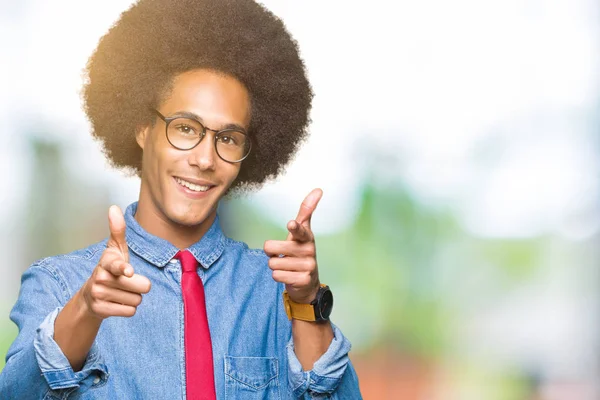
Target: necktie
x=199, y=373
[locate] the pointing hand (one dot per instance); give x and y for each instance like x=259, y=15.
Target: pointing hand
x=294, y=260
x=114, y=289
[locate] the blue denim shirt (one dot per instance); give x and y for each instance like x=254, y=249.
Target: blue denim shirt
x=142, y=357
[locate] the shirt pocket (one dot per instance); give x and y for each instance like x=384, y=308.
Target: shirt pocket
x=251, y=378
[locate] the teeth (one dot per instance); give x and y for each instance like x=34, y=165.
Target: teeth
x=191, y=186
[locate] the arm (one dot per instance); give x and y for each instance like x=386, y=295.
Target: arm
x=35, y=364
x=318, y=352
x=112, y=290
x=331, y=375
x=311, y=341
x=294, y=263
x=75, y=330
x=62, y=347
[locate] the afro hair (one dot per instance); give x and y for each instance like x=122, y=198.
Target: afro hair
x=132, y=68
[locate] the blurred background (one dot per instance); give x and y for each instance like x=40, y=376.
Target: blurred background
x=457, y=145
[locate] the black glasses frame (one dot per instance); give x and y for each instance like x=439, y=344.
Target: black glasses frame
x=168, y=120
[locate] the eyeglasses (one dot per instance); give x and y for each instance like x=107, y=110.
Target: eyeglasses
x=184, y=133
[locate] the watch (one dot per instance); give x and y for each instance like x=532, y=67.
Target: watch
x=317, y=310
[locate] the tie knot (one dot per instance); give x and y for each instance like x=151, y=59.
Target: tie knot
x=188, y=261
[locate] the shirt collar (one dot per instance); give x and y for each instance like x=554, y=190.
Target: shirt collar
x=159, y=252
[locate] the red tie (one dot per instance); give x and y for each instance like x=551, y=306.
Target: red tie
x=199, y=373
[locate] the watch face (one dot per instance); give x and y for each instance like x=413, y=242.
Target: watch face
x=326, y=304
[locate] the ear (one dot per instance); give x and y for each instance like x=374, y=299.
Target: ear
x=141, y=134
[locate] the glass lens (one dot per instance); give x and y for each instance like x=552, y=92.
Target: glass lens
x=184, y=133
x=232, y=145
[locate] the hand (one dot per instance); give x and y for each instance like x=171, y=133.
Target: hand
x=294, y=261
x=114, y=290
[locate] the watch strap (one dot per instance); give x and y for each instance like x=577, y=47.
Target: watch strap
x=301, y=311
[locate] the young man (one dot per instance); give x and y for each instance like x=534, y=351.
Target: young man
x=198, y=98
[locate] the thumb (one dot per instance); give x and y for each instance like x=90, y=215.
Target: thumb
x=117, y=226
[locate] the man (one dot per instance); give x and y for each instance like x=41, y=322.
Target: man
x=199, y=98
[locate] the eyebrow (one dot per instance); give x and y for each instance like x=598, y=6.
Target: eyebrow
x=189, y=114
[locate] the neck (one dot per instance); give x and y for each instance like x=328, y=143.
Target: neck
x=158, y=224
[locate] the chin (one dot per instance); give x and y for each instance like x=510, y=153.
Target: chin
x=189, y=217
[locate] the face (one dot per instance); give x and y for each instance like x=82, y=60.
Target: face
x=174, y=181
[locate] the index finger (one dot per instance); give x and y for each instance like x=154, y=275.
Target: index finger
x=298, y=232
x=308, y=206
x=112, y=260
x=117, y=227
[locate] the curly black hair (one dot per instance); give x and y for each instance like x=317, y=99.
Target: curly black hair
x=134, y=64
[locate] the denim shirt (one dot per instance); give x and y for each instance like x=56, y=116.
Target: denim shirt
x=142, y=357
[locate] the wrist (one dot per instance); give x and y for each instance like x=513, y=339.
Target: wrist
x=303, y=297
x=318, y=309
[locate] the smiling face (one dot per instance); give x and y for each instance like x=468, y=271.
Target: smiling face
x=180, y=189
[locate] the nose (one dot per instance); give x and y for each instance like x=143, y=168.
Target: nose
x=204, y=154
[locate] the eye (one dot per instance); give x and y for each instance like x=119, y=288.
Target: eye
x=226, y=139
x=185, y=129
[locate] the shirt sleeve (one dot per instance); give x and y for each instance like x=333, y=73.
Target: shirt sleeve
x=332, y=376
x=35, y=365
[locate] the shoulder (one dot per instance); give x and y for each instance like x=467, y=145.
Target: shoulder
x=87, y=254
x=250, y=268
x=248, y=261
x=70, y=269
x=241, y=249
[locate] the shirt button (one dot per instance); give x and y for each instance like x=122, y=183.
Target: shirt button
x=173, y=261
x=96, y=380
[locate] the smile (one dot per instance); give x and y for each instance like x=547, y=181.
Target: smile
x=192, y=186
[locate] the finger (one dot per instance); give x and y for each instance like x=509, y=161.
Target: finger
x=308, y=206
x=136, y=284
x=117, y=227
x=299, y=232
x=274, y=248
x=109, y=309
x=294, y=279
x=293, y=264
x=120, y=267
x=112, y=261
x=115, y=295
